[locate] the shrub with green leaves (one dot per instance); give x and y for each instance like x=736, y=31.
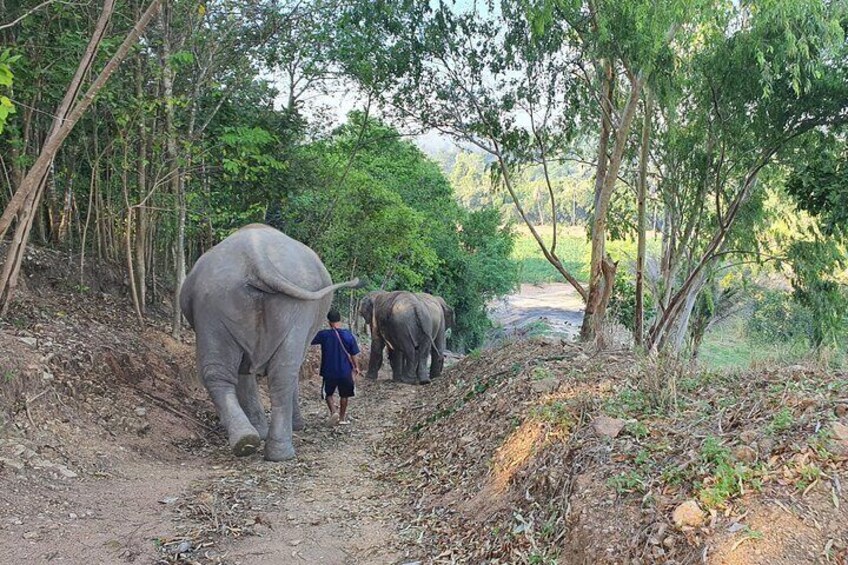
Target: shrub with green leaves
x=777, y=317
x=372, y=205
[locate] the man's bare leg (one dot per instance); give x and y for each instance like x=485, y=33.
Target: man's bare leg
x=333, y=418
x=342, y=409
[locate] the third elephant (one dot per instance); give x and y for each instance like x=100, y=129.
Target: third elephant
x=402, y=322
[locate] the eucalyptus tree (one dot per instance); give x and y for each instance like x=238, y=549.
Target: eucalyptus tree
x=819, y=186
x=524, y=82
x=764, y=77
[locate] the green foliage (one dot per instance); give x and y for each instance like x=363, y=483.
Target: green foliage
x=627, y=482
x=372, y=205
x=537, y=328
x=820, y=184
x=726, y=478
x=622, y=304
x=781, y=421
x=808, y=475
x=776, y=317
x=628, y=403
x=814, y=267
x=637, y=429
x=555, y=413
x=246, y=153
x=7, y=108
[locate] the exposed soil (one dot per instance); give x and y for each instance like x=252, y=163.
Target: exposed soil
x=557, y=306
x=545, y=452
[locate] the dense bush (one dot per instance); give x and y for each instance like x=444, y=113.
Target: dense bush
x=816, y=265
x=373, y=205
x=622, y=306
x=777, y=317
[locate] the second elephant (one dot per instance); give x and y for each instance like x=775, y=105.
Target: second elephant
x=441, y=320
x=402, y=322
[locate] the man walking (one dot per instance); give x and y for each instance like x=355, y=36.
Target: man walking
x=338, y=366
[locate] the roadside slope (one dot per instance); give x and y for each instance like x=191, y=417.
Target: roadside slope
x=543, y=452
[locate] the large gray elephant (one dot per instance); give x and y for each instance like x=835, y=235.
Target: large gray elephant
x=400, y=321
x=441, y=319
x=255, y=301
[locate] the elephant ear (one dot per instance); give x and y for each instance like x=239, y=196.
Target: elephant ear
x=366, y=308
x=448, y=311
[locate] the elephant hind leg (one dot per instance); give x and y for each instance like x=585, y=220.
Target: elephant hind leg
x=283, y=374
x=437, y=354
x=247, y=392
x=437, y=362
x=298, y=423
x=421, y=368
x=219, y=373
x=398, y=362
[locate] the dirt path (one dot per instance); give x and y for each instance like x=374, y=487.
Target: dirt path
x=555, y=304
x=330, y=505
x=334, y=506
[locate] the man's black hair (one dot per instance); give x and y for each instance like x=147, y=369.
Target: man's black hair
x=333, y=316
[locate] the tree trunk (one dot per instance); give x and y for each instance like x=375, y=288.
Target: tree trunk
x=128, y=230
x=95, y=167
x=173, y=170
x=605, y=181
x=141, y=212
x=17, y=248
x=68, y=114
x=678, y=325
x=638, y=323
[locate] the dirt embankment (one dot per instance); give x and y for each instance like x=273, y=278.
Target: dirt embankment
x=544, y=452
x=537, y=451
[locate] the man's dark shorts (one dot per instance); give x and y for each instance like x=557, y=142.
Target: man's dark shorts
x=345, y=386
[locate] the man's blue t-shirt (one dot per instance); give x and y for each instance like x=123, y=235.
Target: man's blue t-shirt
x=334, y=361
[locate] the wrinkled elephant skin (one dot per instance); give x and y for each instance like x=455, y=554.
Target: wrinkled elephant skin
x=441, y=319
x=255, y=301
x=401, y=322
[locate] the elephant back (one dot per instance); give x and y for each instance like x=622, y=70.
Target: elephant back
x=401, y=312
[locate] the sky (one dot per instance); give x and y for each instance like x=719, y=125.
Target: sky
x=345, y=97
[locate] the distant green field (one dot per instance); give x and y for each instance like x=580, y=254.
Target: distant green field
x=574, y=251
x=726, y=347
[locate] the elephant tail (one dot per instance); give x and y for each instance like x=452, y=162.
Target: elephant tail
x=435, y=347
x=268, y=281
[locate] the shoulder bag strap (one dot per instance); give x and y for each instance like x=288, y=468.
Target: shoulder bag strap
x=349, y=357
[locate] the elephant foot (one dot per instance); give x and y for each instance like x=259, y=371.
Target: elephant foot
x=298, y=424
x=261, y=427
x=246, y=445
x=370, y=376
x=278, y=451
x=424, y=381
